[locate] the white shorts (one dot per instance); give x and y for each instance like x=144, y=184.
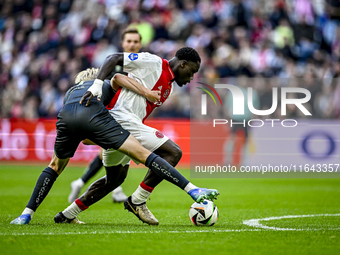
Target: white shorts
x=149, y=137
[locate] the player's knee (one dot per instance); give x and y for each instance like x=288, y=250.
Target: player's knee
x=115, y=176
x=55, y=168
x=121, y=179
x=57, y=164
x=175, y=155
x=122, y=174
x=178, y=155
x=111, y=184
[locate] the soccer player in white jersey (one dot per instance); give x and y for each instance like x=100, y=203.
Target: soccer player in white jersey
x=130, y=110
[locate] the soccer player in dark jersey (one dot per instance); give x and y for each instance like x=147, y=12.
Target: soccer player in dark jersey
x=131, y=42
x=77, y=122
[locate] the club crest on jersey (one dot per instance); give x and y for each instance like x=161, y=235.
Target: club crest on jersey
x=159, y=134
x=133, y=56
x=166, y=93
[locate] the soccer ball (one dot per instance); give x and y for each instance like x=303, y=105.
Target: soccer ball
x=204, y=213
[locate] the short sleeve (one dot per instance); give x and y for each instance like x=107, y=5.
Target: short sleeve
x=107, y=92
x=135, y=63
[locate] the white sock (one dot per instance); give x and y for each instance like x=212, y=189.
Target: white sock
x=189, y=187
x=140, y=195
x=79, y=182
x=28, y=211
x=118, y=189
x=72, y=211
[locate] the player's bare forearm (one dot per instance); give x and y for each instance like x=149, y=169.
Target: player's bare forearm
x=120, y=80
x=131, y=84
x=109, y=64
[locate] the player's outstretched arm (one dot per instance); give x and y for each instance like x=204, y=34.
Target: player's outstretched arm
x=96, y=89
x=109, y=64
x=120, y=80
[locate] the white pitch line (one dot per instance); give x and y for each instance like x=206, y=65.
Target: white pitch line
x=256, y=222
x=251, y=223
x=130, y=232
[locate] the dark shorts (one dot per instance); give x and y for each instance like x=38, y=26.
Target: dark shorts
x=77, y=122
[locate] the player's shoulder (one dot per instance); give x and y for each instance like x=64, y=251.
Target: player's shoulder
x=144, y=56
x=147, y=55
x=90, y=82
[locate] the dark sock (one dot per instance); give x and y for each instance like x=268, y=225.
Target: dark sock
x=42, y=187
x=166, y=171
x=93, y=168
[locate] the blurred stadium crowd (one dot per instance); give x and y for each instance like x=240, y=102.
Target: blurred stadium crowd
x=44, y=43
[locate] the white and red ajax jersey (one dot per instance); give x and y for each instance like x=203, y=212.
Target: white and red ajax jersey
x=152, y=72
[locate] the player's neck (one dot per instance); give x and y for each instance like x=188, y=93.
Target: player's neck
x=173, y=63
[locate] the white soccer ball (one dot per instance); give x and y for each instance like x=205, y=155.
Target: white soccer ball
x=204, y=213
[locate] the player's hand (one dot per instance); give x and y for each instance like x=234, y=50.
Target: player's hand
x=87, y=94
x=94, y=90
x=154, y=96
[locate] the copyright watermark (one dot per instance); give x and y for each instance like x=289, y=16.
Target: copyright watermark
x=263, y=169
x=263, y=127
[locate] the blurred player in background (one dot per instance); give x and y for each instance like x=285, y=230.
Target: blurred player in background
x=236, y=145
x=131, y=42
x=130, y=110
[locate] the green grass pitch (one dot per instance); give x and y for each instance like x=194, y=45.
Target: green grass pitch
x=112, y=230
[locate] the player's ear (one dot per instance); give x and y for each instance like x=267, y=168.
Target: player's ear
x=184, y=64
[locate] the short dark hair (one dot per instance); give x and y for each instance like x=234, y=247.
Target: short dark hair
x=188, y=54
x=131, y=30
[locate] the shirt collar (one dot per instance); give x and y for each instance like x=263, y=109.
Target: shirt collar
x=171, y=73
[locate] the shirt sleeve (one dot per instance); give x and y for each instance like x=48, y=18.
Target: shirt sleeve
x=141, y=64
x=108, y=92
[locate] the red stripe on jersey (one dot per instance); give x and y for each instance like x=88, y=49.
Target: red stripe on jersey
x=164, y=84
x=114, y=99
